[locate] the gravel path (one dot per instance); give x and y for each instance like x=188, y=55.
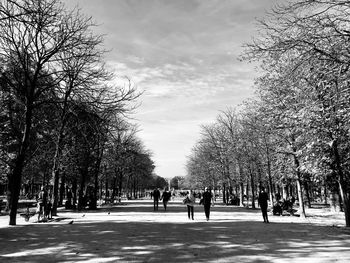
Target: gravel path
x=132, y=232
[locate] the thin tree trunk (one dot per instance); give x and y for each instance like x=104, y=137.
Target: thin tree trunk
x=307, y=193
x=241, y=193
x=62, y=188
x=342, y=184
x=224, y=193
x=252, y=183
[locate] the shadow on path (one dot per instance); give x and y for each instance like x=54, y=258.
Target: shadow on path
x=187, y=241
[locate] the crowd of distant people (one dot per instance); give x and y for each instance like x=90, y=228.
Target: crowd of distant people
x=205, y=198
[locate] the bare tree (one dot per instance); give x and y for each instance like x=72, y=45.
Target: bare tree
x=34, y=42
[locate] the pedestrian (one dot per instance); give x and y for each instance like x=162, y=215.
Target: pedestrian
x=166, y=197
x=69, y=204
x=156, y=196
x=262, y=200
x=41, y=203
x=207, y=201
x=190, y=204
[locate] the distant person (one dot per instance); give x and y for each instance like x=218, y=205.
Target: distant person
x=190, y=204
x=165, y=197
x=156, y=197
x=263, y=202
x=173, y=194
x=48, y=212
x=207, y=201
x=42, y=203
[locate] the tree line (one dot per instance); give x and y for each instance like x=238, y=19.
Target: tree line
x=294, y=133
x=64, y=117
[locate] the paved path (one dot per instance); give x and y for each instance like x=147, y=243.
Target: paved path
x=134, y=233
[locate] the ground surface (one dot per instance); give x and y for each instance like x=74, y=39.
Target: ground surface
x=132, y=232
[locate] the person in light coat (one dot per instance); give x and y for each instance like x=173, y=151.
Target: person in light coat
x=190, y=204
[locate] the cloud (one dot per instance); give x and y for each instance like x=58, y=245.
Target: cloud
x=183, y=55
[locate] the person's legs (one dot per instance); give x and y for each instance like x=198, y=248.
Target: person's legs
x=155, y=205
x=265, y=215
x=207, y=211
x=192, y=212
x=188, y=211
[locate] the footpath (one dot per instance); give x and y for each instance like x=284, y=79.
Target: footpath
x=133, y=232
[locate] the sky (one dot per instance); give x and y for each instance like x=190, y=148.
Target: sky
x=184, y=56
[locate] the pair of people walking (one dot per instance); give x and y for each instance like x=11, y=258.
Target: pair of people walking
x=166, y=195
x=207, y=201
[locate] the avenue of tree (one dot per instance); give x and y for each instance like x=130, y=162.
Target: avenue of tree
x=63, y=119
x=293, y=137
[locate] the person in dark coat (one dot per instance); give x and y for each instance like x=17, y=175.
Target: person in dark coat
x=263, y=202
x=156, y=197
x=165, y=197
x=207, y=202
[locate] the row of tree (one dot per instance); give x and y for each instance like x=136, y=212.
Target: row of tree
x=63, y=114
x=296, y=129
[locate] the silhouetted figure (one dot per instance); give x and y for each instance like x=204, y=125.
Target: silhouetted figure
x=207, y=202
x=156, y=197
x=263, y=199
x=165, y=197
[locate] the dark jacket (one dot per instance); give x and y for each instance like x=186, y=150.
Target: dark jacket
x=207, y=197
x=263, y=198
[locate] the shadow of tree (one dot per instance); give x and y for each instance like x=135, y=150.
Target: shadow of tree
x=201, y=242
x=187, y=241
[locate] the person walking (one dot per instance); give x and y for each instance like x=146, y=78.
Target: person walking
x=165, y=197
x=190, y=204
x=156, y=196
x=41, y=204
x=207, y=201
x=262, y=200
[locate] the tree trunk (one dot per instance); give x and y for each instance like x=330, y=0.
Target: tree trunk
x=113, y=189
x=300, y=191
x=241, y=193
x=74, y=192
x=301, y=200
x=247, y=192
x=62, y=189
x=307, y=193
x=342, y=184
x=271, y=188
x=14, y=189
x=82, y=194
x=15, y=179
x=120, y=184
x=224, y=193
x=252, y=183
x=56, y=176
